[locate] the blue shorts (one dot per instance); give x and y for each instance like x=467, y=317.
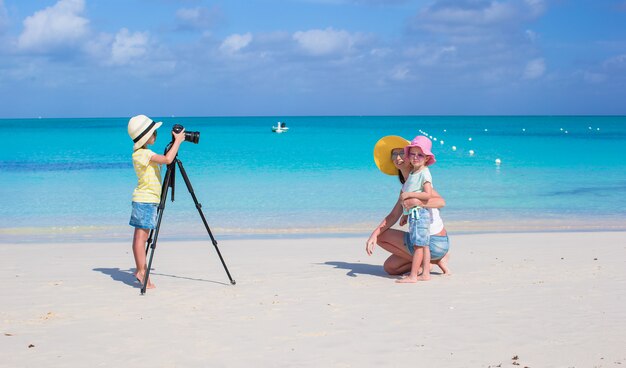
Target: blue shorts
x=438, y=245
x=144, y=215
x=419, y=227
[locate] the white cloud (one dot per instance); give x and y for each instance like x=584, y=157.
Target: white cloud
x=616, y=62
x=530, y=35
x=400, y=73
x=535, y=69
x=429, y=55
x=99, y=47
x=463, y=16
x=56, y=26
x=197, y=18
x=235, y=43
x=493, y=13
x=537, y=7
x=610, y=70
x=128, y=47
x=327, y=41
x=381, y=52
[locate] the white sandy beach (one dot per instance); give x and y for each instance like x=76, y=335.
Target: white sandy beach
x=549, y=299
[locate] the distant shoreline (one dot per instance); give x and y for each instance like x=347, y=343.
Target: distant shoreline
x=197, y=232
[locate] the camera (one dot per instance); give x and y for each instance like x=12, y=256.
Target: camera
x=193, y=137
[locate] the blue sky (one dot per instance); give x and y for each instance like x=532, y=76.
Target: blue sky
x=87, y=58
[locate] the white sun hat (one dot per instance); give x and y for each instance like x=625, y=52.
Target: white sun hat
x=140, y=129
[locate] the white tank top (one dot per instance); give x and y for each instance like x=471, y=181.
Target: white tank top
x=437, y=225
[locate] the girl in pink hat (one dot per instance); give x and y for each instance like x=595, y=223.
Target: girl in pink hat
x=418, y=185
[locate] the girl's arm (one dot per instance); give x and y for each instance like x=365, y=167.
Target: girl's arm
x=435, y=201
x=385, y=224
x=169, y=156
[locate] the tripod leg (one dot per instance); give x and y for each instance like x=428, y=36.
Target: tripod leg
x=206, y=225
x=155, y=231
x=149, y=242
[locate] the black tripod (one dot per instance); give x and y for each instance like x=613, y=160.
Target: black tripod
x=168, y=182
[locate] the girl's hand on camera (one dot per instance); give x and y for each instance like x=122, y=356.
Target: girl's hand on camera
x=179, y=136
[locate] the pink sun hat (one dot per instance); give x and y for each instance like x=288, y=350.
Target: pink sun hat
x=425, y=144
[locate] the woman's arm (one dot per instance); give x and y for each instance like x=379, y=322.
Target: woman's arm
x=385, y=224
x=435, y=201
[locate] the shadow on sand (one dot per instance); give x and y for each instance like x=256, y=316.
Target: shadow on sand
x=355, y=269
x=125, y=276
x=128, y=276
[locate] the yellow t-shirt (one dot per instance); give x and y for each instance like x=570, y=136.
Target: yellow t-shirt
x=148, y=177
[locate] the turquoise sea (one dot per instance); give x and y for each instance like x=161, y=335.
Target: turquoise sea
x=73, y=178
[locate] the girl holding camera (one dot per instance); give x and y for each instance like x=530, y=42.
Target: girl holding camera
x=147, y=194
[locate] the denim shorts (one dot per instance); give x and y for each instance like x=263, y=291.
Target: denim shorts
x=144, y=215
x=438, y=245
x=419, y=227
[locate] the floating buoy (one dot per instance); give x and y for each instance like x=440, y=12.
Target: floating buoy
x=441, y=142
x=454, y=148
x=435, y=139
x=469, y=139
x=523, y=129
x=445, y=130
x=486, y=130
x=471, y=152
x=598, y=129
x=566, y=132
x=561, y=129
x=498, y=162
x=589, y=128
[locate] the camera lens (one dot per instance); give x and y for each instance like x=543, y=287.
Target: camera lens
x=193, y=137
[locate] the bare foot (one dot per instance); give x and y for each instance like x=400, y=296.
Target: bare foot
x=140, y=277
x=407, y=280
x=424, y=277
x=443, y=264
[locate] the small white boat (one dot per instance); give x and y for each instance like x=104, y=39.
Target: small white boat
x=280, y=127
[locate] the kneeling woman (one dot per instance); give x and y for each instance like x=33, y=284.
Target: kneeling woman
x=389, y=157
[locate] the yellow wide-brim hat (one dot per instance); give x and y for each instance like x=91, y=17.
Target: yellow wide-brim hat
x=382, y=153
